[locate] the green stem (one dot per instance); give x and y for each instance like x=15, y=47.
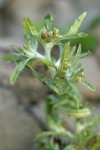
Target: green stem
x=49, y=108
x=48, y=48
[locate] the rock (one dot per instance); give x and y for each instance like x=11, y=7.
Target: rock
x=17, y=129
x=92, y=73
x=29, y=89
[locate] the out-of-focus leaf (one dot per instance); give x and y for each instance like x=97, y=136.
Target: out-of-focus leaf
x=78, y=113
x=88, y=43
x=70, y=147
x=75, y=27
x=13, y=57
x=72, y=37
x=61, y=103
x=43, y=134
x=49, y=22
x=88, y=85
x=88, y=53
x=95, y=142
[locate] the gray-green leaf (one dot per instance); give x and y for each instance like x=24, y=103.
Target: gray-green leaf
x=49, y=22
x=29, y=27
x=64, y=60
x=45, y=62
x=77, y=55
x=88, y=85
x=13, y=57
x=17, y=71
x=31, y=42
x=75, y=27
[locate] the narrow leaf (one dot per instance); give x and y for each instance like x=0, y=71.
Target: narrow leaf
x=88, y=53
x=74, y=88
x=75, y=27
x=61, y=103
x=49, y=22
x=31, y=42
x=78, y=113
x=77, y=55
x=64, y=60
x=29, y=27
x=71, y=54
x=45, y=62
x=13, y=57
x=43, y=134
x=17, y=71
x=88, y=85
x=72, y=37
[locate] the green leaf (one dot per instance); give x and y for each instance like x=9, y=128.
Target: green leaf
x=49, y=22
x=78, y=113
x=64, y=60
x=45, y=62
x=13, y=57
x=72, y=37
x=74, y=88
x=31, y=42
x=77, y=55
x=74, y=73
x=88, y=53
x=88, y=85
x=75, y=27
x=61, y=103
x=70, y=147
x=59, y=86
x=43, y=134
x=29, y=27
x=72, y=52
x=20, y=66
x=35, y=73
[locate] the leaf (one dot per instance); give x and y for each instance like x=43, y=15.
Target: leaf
x=64, y=60
x=46, y=62
x=16, y=48
x=88, y=85
x=36, y=74
x=88, y=53
x=17, y=71
x=49, y=22
x=13, y=57
x=59, y=86
x=70, y=147
x=29, y=27
x=44, y=134
x=73, y=73
x=77, y=55
x=31, y=42
x=75, y=27
x=71, y=54
x=61, y=103
x=74, y=88
x=72, y=37
x=78, y=113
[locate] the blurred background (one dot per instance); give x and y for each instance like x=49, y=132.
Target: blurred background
x=21, y=106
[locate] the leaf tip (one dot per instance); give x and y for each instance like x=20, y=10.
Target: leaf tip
x=49, y=16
